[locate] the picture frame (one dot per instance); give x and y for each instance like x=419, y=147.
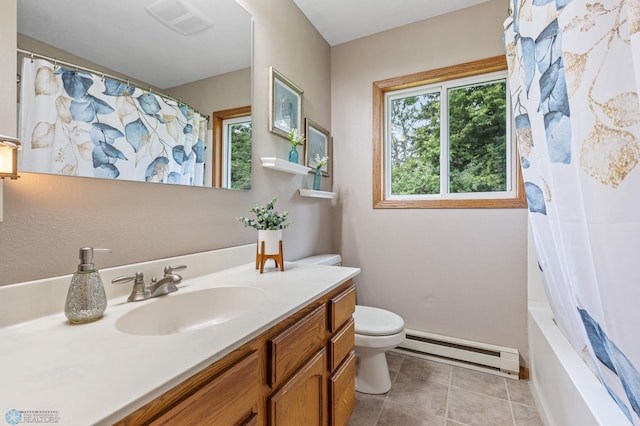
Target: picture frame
x=318, y=141
x=285, y=112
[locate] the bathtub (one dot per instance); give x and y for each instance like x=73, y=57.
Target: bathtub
x=566, y=391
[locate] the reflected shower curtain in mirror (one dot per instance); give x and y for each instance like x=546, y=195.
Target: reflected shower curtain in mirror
x=81, y=124
x=574, y=73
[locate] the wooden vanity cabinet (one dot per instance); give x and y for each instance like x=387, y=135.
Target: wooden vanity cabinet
x=302, y=400
x=342, y=361
x=342, y=390
x=299, y=372
x=291, y=348
x=230, y=399
x=341, y=308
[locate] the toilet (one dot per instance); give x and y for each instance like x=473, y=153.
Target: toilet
x=376, y=331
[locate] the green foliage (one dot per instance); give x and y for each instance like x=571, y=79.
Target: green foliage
x=240, y=156
x=477, y=142
x=266, y=217
x=415, y=177
x=320, y=162
x=477, y=138
x=295, y=138
x=415, y=145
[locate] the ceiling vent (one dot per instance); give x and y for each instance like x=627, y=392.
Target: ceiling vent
x=179, y=15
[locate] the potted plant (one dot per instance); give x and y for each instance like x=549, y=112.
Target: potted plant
x=295, y=139
x=269, y=224
x=317, y=176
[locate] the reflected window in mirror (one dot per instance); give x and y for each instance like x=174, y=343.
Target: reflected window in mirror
x=232, y=148
x=236, y=146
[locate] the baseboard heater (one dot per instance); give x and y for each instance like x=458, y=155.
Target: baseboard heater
x=464, y=353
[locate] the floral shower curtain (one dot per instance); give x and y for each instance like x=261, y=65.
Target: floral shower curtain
x=574, y=73
x=81, y=124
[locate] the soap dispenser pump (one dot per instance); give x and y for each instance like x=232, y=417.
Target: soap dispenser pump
x=86, y=299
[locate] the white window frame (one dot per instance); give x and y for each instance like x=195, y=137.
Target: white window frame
x=226, y=148
x=423, y=78
x=443, y=88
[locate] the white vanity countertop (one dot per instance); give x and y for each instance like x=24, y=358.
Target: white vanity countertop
x=95, y=374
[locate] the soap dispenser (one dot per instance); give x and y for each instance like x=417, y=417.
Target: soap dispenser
x=86, y=299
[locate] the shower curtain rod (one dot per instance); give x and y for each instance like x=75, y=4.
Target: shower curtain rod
x=75, y=67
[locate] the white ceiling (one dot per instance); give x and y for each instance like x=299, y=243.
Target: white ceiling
x=122, y=36
x=340, y=21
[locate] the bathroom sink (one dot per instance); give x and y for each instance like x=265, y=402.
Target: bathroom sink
x=183, y=312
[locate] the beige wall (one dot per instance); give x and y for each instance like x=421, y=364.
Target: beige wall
x=47, y=218
x=459, y=273
x=226, y=91
x=454, y=272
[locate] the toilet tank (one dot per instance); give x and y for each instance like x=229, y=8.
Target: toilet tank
x=322, y=259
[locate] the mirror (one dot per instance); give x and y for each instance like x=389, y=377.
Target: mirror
x=209, y=70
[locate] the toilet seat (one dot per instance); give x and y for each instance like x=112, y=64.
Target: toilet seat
x=370, y=321
x=378, y=343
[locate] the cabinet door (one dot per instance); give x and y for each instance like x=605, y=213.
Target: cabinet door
x=302, y=400
x=342, y=387
x=291, y=348
x=229, y=399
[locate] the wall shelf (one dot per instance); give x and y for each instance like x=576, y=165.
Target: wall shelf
x=284, y=166
x=316, y=194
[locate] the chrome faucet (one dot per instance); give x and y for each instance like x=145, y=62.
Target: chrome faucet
x=167, y=284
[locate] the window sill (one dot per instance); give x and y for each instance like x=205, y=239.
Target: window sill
x=519, y=202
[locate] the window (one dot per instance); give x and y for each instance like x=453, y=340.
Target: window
x=236, y=152
x=442, y=139
x=232, y=148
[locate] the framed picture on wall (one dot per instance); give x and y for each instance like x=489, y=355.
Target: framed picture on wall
x=318, y=145
x=285, y=113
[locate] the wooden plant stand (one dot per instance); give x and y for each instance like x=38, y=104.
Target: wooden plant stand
x=261, y=258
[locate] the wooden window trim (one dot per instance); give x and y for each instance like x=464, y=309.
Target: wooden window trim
x=483, y=66
x=216, y=153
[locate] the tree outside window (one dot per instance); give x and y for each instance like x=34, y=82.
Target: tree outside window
x=231, y=148
x=442, y=139
x=238, y=153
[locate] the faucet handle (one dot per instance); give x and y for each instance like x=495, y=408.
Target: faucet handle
x=138, y=277
x=168, y=270
x=139, y=291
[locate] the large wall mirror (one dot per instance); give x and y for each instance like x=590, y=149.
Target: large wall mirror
x=105, y=66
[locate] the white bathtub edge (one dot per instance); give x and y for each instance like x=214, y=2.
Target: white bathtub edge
x=565, y=389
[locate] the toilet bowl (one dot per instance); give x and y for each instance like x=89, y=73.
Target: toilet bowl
x=376, y=331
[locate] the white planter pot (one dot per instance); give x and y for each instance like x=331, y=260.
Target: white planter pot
x=271, y=241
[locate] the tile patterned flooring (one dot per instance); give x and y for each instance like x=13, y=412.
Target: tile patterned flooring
x=426, y=393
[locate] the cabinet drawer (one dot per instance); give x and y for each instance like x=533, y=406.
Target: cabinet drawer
x=341, y=344
x=341, y=308
x=292, y=347
x=342, y=390
x=230, y=399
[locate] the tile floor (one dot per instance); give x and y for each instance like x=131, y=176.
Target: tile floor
x=426, y=393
